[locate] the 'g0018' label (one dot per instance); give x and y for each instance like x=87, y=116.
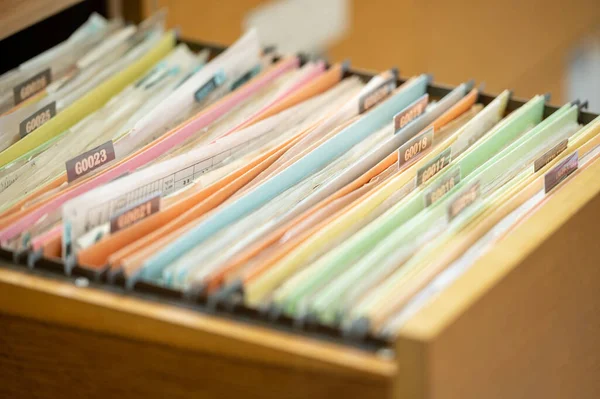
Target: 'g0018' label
x=415, y=146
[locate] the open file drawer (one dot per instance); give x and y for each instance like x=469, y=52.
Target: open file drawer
x=523, y=322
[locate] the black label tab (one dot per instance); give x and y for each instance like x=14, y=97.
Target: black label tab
x=411, y=113
x=377, y=95
x=561, y=171
x=466, y=198
x=32, y=86
x=550, y=155
x=434, y=166
x=37, y=119
x=135, y=213
x=90, y=160
x=436, y=192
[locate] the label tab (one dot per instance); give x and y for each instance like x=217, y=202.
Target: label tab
x=467, y=197
x=32, y=86
x=245, y=78
x=436, y=192
x=434, y=166
x=37, y=119
x=377, y=95
x=411, y=113
x=214, y=82
x=415, y=146
x=135, y=213
x=550, y=155
x=561, y=171
x=90, y=160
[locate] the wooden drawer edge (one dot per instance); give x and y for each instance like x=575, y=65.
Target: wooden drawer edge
x=58, y=302
x=511, y=252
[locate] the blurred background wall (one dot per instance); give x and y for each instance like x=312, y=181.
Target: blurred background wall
x=530, y=46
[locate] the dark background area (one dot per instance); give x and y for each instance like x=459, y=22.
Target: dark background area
x=32, y=41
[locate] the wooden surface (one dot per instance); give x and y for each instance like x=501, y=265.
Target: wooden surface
x=524, y=321
x=65, y=304
x=48, y=361
x=36, y=310
x=16, y=15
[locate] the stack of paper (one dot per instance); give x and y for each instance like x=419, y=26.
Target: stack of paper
x=287, y=186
